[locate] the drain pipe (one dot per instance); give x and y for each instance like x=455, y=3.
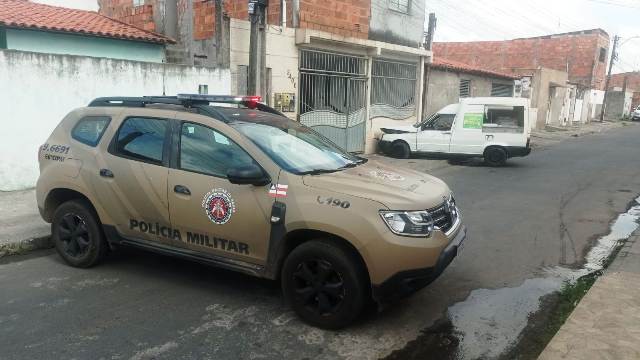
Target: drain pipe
x=295, y=11
x=283, y=13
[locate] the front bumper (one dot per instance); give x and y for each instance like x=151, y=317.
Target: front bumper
x=408, y=282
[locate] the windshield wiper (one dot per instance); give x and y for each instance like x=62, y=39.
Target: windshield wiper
x=318, y=171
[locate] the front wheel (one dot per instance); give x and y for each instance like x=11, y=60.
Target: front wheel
x=400, y=150
x=324, y=284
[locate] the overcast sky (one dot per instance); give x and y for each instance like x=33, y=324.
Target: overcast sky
x=470, y=20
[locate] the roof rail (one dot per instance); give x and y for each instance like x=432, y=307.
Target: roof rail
x=186, y=100
x=135, y=101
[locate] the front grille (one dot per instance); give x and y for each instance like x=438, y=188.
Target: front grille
x=442, y=218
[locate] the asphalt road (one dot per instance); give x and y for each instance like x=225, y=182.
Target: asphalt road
x=538, y=213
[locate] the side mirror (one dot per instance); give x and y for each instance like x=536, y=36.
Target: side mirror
x=248, y=175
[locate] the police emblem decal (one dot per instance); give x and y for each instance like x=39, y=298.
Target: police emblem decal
x=219, y=206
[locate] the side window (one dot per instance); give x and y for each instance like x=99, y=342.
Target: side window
x=441, y=122
x=89, y=129
x=142, y=139
x=207, y=151
x=511, y=117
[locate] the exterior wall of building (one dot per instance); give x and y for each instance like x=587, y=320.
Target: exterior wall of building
x=443, y=88
x=577, y=53
x=61, y=83
x=633, y=80
x=618, y=105
x=281, y=58
x=395, y=27
x=346, y=18
x=70, y=44
x=548, y=102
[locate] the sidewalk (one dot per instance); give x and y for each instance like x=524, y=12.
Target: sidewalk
x=606, y=322
x=22, y=228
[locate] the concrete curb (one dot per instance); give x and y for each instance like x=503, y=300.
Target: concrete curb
x=25, y=246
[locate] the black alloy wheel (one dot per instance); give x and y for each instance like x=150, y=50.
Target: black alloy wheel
x=325, y=283
x=318, y=286
x=74, y=235
x=77, y=234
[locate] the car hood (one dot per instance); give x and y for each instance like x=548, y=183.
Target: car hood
x=394, y=187
x=399, y=129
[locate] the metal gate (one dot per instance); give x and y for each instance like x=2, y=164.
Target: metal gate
x=333, y=94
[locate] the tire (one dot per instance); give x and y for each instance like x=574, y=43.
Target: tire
x=400, y=150
x=495, y=156
x=324, y=284
x=77, y=234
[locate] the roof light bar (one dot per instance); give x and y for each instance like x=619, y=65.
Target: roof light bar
x=233, y=99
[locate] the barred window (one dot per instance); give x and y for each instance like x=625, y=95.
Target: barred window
x=399, y=5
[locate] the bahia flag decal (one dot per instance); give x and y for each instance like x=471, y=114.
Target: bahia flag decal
x=278, y=190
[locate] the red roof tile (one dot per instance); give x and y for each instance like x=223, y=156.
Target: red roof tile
x=446, y=64
x=25, y=14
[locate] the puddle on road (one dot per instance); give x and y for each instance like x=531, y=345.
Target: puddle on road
x=489, y=321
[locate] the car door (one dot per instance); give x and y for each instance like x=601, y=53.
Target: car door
x=213, y=215
x=435, y=135
x=131, y=183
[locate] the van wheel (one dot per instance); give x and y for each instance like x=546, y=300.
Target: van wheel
x=400, y=150
x=495, y=156
x=77, y=236
x=324, y=284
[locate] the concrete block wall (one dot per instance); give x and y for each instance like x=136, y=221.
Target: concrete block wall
x=61, y=83
x=633, y=80
x=578, y=52
x=348, y=18
x=123, y=10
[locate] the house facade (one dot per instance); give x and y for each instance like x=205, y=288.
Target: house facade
x=343, y=67
x=581, y=55
x=627, y=82
x=27, y=26
x=448, y=81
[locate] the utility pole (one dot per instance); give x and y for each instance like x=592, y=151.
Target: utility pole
x=430, y=30
x=256, y=46
x=614, y=56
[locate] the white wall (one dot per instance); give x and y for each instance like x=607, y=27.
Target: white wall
x=38, y=90
x=282, y=56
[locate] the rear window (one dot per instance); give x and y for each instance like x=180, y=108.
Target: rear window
x=89, y=130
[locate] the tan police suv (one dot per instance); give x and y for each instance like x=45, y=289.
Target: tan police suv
x=231, y=182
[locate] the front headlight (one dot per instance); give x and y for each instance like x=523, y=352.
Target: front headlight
x=408, y=223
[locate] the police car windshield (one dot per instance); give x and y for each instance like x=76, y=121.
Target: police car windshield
x=294, y=147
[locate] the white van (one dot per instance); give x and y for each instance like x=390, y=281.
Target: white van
x=495, y=128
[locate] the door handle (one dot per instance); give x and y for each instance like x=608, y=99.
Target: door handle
x=181, y=189
x=446, y=133
x=106, y=173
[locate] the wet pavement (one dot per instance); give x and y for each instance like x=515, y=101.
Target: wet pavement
x=531, y=225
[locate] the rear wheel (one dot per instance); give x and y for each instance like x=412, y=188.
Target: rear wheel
x=495, y=156
x=400, y=150
x=324, y=284
x=76, y=233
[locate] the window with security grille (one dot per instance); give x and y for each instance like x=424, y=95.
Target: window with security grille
x=501, y=90
x=465, y=88
x=399, y=5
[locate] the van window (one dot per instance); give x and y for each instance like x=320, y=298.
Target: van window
x=89, y=129
x=503, y=118
x=441, y=122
